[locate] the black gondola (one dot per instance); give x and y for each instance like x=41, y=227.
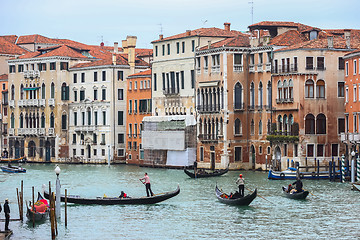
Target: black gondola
x=118, y=201
x=242, y=201
x=206, y=174
x=295, y=195
x=37, y=216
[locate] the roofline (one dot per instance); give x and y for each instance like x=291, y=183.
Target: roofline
x=165, y=40
x=35, y=59
x=139, y=76
x=317, y=49
x=351, y=55
x=72, y=69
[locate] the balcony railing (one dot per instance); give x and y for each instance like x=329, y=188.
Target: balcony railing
x=42, y=102
x=51, y=131
x=28, y=131
x=284, y=100
x=252, y=68
x=215, y=69
x=198, y=70
x=208, y=108
x=238, y=68
x=292, y=68
x=208, y=137
x=85, y=128
x=239, y=106
x=12, y=103
x=260, y=67
x=51, y=102
x=268, y=67
x=251, y=107
x=171, y=91
x=11, y=131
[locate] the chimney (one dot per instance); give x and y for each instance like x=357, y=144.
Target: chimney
x=116, y=47
x=227, y=26
x=209, y=44
x=347, y=36
x=124, y=46
x=330, y=40
x=188, y=32
x=131, y=44
x=114, y=59
x=161, y=37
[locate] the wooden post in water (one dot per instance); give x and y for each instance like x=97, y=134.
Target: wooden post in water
x=33, y=207
x=22, y=201
x=318, y=169
x=306, y=164
x=65, y=207
x=330, y=170
x=18, y=199
x=52, y=215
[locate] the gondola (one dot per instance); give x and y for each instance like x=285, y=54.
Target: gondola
x=242, y=201
x=13, y=169
x=13, y=160
x=37, y=216
x=206, y=174
x=356, y=186
x=118, y=201
x=290, y=174
x=295, y=195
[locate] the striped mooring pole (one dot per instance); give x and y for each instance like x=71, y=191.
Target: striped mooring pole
x=358, y=170
x=343, y=168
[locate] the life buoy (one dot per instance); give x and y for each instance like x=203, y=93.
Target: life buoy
x=301, y=175
x=313, y=174
x=282, y=175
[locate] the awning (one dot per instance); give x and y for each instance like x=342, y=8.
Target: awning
x=31, y=88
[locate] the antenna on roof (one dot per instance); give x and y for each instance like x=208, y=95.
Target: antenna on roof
x=204, y=22
x=252, y=11
x=161, y=28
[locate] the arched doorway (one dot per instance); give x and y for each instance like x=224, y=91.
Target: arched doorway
x=31, y=149
x=47, y=151
x=89, y=151
x=17, y=149
x=253, y=156
x=277, y=158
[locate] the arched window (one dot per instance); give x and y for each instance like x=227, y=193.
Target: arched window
x=291, y=122
x=291, y=91
x=309, y=124
x=198, y=100
x=252, y=127
x=309, y=89
x=285, y=123
x=31, y=149
x=280, y=123
x=52, y=90
x=52, y=122
x=64, y=92
x=221, y=127
x=200, y=127
x=252, y=95
x=260, y=127
x=89, y=116
x=269, y=126
x=260, y=95
x=320, y=124
x=320, y=89
x=238, y=127
x=43, y=120
x=285, y=88
x=43, y=92
x=12, y=120
x=21, y=120
x=26, y=121
x=21, y=92
x=279, y=87
x=269, y=95
x=238, y=96
x=12, y=92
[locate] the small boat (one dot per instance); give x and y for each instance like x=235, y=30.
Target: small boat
x=41, y=210
x=118, y=201
x=206, y=174
x=295, y=195
x=13, y=169
x=356, y=186
x=242, y=201
x=290, y=173
x=13, y=160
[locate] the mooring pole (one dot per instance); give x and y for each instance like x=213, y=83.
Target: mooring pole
x=343, y=168
x=33, y=207
x=358, y=170
x=65, y=207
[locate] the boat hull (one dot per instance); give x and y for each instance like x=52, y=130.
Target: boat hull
x=214, y=174
x=286, y=175
x=244, y=201
x=13, y=169
x=118, y=201
x=300, y=195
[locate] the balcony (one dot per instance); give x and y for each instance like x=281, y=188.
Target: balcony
x=259, y=107
x=292, y=68
x=215, y=69
x=252, y=68
x=21, y=103
x=206, y=70
x=31, y=103
x=12, y=103
x=208, y=137
x=208, y=108
x=238, y=68
x=85, y=128
x=171, y=91
x=51, y=131
x=260, y=67
x=42, y=102
x=268, y=67
x=51, y=102
x=41, y=131
x=28, y=131
x=239, y=106
x=11, y=131
x=251, y=107
x=31, y=73
x=198, y=70
x=284, y=100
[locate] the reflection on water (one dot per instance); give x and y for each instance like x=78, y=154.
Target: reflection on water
x=194, y=214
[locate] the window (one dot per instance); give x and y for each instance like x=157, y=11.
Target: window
x=346, y=123
x=183, y=47
x=238, y=96
x=309, y=89
x=135, y=146
x=141, y=85
x=268, y=150
x=237, y=59
x=120, y=94
x=192, y=78
x=310, y=124
x=238, y=127
x=192, y=46
x=64, y=66
x=260, y=95
x=103, y=139
x=347, y=69
x=252, y=127
x=135, y=85
x=321, y=124
x=21, y=68
x=341, y=89
x=104, y=117
x=121, y=152
x=75, y=95
x=355, y=122
x=82, y=77
x=120, y=138
x=155, y=81
x=156, y=51
x=64, y=92
x=63, y=122
x=103, y=151
x=120, y=75
x=346, y=94
x=120, y=118
x=182, y=79
x=341, y=63
x=310, y=150
x=201, y=154
x=168, y=49
x=129, y=145
x=320, y=89
x=355, y=67
x=295, y=150
x=75, y=78
x=95, y=77
x=53, y=66
x=135, y=106
x=103, y=97
x=163, y=50
x=309, y=63
x=334, y=150
x=252, y=95
x=237, y=154
x=82, y=95
x=341, y=125
x=177, y=47
x=260, y=127
x=354, y=93
x=96, y=118
x=95, y=94
x=104, y=75
x=279, y=88
x=285, y=149
x=94, y=138
x=75, y=118
x=74, y=139
x=260, y=150
x=12, y=69
x=83, y=118
x=320, y=63
x=130, y=106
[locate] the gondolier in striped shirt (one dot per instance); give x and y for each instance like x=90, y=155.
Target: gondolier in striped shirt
x=241, y=183
x=147, y=184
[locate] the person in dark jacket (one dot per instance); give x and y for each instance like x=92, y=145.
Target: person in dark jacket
x=7, y=214
x=298, y=185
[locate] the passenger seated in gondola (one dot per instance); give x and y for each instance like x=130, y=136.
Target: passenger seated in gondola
x=236, y=195
x=123, y=195
x=288, y=188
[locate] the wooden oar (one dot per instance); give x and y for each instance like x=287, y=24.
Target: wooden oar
x=309, y=192
x=261, y=196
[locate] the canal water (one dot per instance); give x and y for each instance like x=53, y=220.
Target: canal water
x=334, y=211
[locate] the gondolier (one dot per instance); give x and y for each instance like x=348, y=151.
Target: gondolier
x=241, y=184
x=147, y=184
x=7, y=214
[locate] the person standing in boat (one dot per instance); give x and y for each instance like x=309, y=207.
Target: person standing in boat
x=241, y=184
x=195, y=168
x=7, y=214
x=146, y=180
x=298, y=185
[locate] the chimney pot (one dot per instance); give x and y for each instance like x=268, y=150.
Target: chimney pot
x=161, y=37
x=114, y=59
x=116, y=47
x=227, y=26
x=347, y=35
x=188, y=32
x=330, y=40
x=209, y=44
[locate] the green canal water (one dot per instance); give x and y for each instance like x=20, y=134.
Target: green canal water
x=194, y=214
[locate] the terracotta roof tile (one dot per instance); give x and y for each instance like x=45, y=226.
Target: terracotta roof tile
x=288, y=38
x=10, y=38
x=141, y=52
x=4, y=77
x=143, y=73
x=300, y=27
x=239, y=41
x=203, y=32
x=7, y=47
x=61, y=50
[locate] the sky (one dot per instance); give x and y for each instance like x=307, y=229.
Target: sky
x=91, y=22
